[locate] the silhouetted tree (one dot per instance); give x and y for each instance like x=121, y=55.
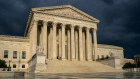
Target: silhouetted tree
x=3, y=64
x=129, y=65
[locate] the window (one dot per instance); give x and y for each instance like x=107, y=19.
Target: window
x=23, y=66
x=15, y=54
x=23, y=54
x=14, y=65
x=5, y=53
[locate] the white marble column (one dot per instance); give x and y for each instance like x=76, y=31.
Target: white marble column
x=63, y=42
x=35, y=26
x=72, y=43
x=45, y=38
x=88, y=45
x=68, y=44
x=84, y=45
x=54, y=41
x=95, y=43
x=50, y=37
x=60, y=51
x=91, y=51
x=76, y=45
x=80, y=44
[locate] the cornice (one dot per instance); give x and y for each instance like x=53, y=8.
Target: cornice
x=14, y=38
x=109, y=46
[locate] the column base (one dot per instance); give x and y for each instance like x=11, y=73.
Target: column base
x=89, y=60
x=64, y=59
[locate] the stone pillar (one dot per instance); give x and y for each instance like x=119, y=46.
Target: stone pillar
x=68, y=45
x=63, y=42
x=91, y=45
x=35, y=27
x=88, y=45
x=54, y=41
x=72, y=43
x=95, y=44
x=76, y=45
x=45, y=38
x=84, y=52
x=60, y=51
x=80, y=44
x=50, y=37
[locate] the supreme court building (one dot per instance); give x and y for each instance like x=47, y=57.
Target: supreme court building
x=64, y=33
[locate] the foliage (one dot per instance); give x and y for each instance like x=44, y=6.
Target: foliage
x=3, y=64
x=129, y=65
x=138, y=64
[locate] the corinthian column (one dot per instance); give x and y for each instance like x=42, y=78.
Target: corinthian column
x=80, y=43
x=88, y=45
x=34, y=36
x=76, y=45
x=68, y=45
x=95, y=44
x=72, y=43
x=45, y=38
x=54, y=41
x=60, y=46
x=63, y=42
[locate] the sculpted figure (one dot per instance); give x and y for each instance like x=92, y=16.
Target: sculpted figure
x=39, y=49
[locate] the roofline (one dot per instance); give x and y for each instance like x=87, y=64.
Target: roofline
x=62, y=6
x=109, y=46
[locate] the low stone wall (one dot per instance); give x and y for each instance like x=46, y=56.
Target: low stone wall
x=3, y=69
x=10, y=74
x=132, y=69
x=113, y=62
x=31, y=64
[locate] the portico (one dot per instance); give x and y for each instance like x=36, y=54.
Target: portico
x=64, y=32
x=65, y=41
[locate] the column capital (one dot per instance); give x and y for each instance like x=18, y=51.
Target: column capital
x=54, y=23
x=45, y=21
x=94, y=29
x=87, y=29
x=80, y=28
x=72, y=25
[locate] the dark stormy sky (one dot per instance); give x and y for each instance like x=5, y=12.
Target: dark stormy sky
x=119, y=19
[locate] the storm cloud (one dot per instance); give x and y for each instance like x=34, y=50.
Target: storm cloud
x=119, y=19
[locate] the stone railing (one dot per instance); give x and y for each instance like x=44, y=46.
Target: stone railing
x=113, y=62
x=31, y=63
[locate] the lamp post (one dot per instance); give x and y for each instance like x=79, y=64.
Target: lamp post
x=19, y=62
x=9, y=68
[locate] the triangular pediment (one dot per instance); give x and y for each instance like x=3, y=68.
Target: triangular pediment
x=66, y=11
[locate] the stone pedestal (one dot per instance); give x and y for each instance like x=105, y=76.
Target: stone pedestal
x=37, y=63
x=40, y=63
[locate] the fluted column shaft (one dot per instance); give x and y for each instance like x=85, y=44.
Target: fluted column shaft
x=76, y=45
x=80, y=43
x=95, y=43
x=88, y=45
x=60, y=45
x=68, y=45
x=63, y=42
x=84, y=55
x=72, y=43
x=35, y=26
x=45, y=38
x=54, y=41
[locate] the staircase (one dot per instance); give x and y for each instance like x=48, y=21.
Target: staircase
x=58, y=66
